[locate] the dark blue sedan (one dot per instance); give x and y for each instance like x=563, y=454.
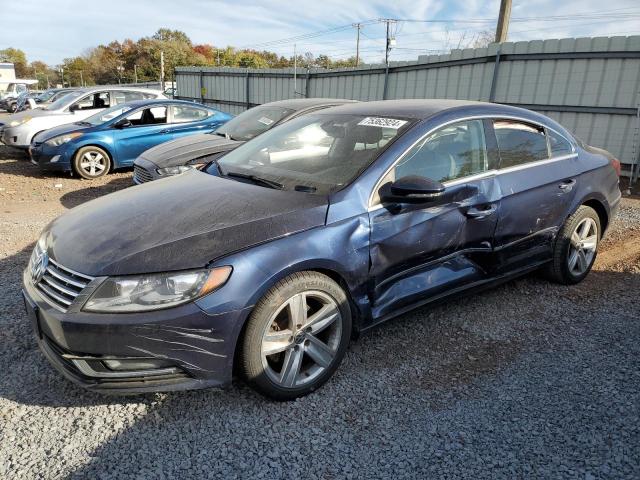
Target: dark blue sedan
x=282, y=250
x=116, y=136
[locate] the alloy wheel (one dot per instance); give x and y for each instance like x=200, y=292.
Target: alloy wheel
x=301, y=339
x=93, y=163
x=582, y=249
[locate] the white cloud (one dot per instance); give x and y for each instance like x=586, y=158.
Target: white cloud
x=68, y=27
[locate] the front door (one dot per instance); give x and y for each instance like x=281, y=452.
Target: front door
x=90, y=105
x=148, y=129
x=420, y=252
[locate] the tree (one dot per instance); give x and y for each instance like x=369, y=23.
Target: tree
x=18, y=58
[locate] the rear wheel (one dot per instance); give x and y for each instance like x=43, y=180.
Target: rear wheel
x=91, y=162
x=576, y=247
x=297, y=336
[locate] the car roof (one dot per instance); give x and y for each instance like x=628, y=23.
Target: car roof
x=117, y=87
x=410, y=108
x=304, y=103
x=165, y=101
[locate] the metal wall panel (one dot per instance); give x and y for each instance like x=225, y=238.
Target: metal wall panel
x=590, y=85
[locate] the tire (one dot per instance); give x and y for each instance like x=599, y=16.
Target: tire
x=575, y=247
x=91, y=162
x=305, y=322
x=12, y=108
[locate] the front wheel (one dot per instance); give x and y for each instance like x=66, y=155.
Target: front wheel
x=91, y=162
x=296, y=336
x=576, y=246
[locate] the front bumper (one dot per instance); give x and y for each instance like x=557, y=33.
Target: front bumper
x=145, y=171
x=190, y=348
x=16, y=136
x=51, y=158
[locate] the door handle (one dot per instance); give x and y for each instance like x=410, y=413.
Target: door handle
x=567, y=185
x=165, y=131
x=481, y=212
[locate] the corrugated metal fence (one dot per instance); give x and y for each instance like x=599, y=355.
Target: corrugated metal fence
x=590, y=85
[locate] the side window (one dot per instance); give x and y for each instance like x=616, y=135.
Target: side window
x=183, y=114
x=149, y=116
x=519, y=142
x=455, y=151
x=126, y=96
x=558, y=144
x=93, y=101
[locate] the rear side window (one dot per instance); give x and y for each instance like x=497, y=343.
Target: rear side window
x=558, y=144
x=149, y=116
x=519, y=142
x=183, y=114
x=126, y=96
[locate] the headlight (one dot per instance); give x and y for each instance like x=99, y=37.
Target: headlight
x=174, y=170
x=22, y=121
x=154, y=291
x=62, y=139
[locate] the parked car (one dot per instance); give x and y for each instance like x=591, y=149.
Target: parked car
x=52, y=94
x=20, y=128
x=9, y=96
x=114, y=137
x=329, y=224
x=178, y=156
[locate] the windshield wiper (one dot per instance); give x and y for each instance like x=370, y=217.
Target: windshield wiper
x=225, y=135
x=255, y=179
x=84, y=123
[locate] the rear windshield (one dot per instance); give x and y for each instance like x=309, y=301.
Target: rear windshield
x=253, y=122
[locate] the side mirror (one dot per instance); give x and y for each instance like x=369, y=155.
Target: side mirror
x=124, y=123
x=73, y=108
x=411, y=189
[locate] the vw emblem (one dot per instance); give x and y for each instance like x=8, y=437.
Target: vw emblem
x=39, y=267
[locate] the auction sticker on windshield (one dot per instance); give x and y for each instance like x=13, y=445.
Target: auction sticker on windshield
x=382, y=122
x=266, y=121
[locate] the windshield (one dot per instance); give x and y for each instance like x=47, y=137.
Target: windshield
x=108, y=114
x=44, y=96
x=64, y=100
x=253, y=122
x=318, y=153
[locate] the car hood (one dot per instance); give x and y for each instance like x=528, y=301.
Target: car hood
x=57, y=131
x=34, y=114
x=183, y=150
x=177, y=223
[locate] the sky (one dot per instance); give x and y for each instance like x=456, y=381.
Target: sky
x=53, y=30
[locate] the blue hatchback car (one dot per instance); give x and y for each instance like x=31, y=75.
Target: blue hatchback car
x=116, y=136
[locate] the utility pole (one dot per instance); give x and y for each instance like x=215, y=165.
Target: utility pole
x=62, y=75
x=218, y=56
x=503, y=21
x=81, y=79
x=295, y=70
x=391, y=41
x=358, y=26
x=135, y=73
x=161, y=70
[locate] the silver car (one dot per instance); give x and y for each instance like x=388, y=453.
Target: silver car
x=20, y=128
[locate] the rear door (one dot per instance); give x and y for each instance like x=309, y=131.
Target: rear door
x=187, y=120
x=148, y=129
x=537, y=177
x=422, y=251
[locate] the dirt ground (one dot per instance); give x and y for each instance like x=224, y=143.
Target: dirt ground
x=530, y=379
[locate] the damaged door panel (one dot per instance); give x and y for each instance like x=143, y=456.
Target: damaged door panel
x=420, y=250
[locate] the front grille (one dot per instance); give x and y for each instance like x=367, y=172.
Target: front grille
x=141, y=175
x=60, y=286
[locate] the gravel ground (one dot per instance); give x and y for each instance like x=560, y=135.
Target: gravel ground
x=527, y=380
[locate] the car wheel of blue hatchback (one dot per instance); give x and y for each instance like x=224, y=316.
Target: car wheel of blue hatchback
x=276, y=254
